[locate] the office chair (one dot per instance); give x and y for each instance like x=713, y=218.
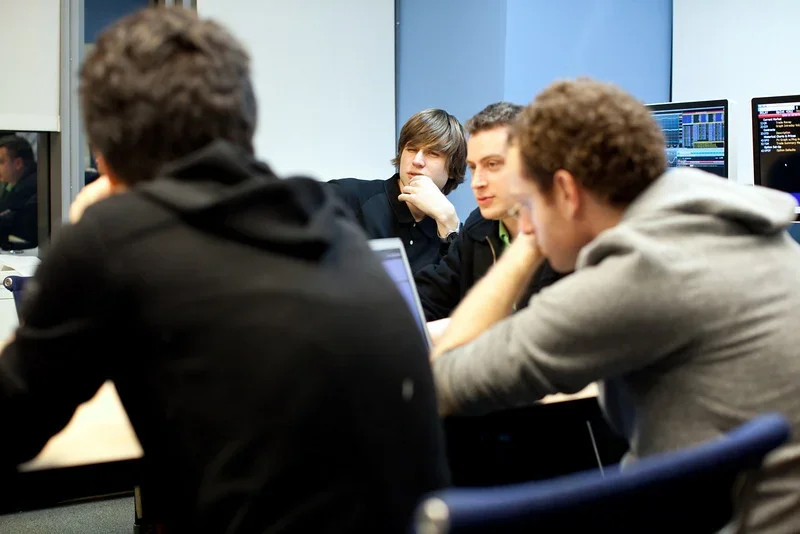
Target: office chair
x=689, y=490
x=15, y=284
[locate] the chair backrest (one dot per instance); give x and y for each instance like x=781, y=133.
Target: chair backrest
x=15, y=284
x=687, y=490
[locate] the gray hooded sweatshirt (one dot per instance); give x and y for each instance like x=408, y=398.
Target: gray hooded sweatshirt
x=686, y=312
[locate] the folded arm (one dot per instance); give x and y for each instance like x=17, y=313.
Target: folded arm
x=603, y=321
x=494, y=296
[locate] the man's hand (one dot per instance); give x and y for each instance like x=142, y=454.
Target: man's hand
x=423, y=194
x=94, y=192
x=530, y=247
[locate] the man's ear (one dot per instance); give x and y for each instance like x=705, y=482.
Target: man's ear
x=567, y=193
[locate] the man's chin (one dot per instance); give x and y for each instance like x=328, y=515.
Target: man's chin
x=559, y=265
x=491, y=214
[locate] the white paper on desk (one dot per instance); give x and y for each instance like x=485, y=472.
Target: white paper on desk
x=24, y=265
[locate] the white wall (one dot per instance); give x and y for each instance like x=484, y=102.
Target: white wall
x=30, y=40
x=324, y=79
x=735, y=49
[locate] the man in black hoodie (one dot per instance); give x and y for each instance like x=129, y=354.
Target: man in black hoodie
x=273, y=374
x=489, y=229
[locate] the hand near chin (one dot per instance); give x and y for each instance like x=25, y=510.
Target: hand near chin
x=528, y=246
x=426, y=196
x=529, y=240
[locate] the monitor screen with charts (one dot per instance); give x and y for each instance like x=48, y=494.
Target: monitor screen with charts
x=696, y=134
x=776, y=143
x=394, y=260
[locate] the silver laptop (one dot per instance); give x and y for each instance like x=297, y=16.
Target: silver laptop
x=393, y=257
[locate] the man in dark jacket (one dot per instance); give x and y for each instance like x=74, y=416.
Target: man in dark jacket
x=18, y=173
x=273, y=373
x=489, y=229
x=412, y=205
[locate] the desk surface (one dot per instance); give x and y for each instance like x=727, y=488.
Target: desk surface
x=98, y=432
x=589, y=392
x=101, y=432
x=23, y=263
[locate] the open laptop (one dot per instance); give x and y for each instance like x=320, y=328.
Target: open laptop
x=393, y=257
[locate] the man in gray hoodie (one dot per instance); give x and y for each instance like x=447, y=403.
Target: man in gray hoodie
x=682, y=304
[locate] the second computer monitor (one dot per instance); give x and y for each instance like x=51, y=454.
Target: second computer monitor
x=776, y=143
x=696, y=134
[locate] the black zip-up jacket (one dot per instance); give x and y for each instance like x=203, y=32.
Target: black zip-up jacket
x=477, y=247
x=270, y=368
x=381, y=215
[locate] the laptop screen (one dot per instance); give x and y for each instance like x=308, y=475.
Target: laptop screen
x=393, y=257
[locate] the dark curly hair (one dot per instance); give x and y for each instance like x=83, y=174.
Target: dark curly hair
x=493, y=116
x=597, y=132
x=160, y=84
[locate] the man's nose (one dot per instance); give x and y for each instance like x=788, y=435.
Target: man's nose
x=478, y=180
x=419, y=158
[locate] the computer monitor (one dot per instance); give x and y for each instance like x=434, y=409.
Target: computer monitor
x=392, y=255
x=696, y=134
x=794, y=231
x=776, y=143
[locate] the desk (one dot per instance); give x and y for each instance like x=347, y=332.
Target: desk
x=98, y=432
x=589, y=392
x=560, y=434
x=101, y=432
x=21, y=264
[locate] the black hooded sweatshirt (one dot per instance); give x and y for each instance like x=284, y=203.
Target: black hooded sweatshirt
x=272, y=372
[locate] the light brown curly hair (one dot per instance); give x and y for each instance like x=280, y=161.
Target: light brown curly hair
x=597, y=132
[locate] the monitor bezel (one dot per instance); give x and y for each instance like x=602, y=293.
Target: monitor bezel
x=395, y=243
x=724, y=102
x=756, y=147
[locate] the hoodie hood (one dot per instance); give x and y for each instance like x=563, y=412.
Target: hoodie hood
x=223, y=189
x=694, y=192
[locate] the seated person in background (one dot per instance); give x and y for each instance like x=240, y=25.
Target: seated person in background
x=489, y=229
x=683, y=300
x=18, y=213
x=271, y=370
x=412, y=204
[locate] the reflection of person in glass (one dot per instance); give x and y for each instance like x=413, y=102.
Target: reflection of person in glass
x=17, y=194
